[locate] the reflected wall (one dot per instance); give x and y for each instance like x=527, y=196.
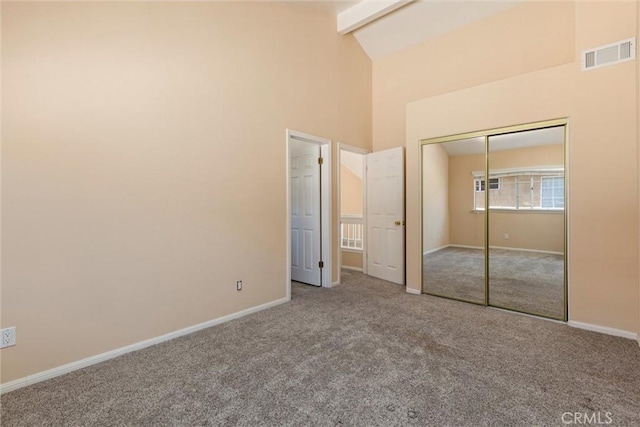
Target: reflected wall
x=453, y=266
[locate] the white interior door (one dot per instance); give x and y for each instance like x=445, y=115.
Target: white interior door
x=385, y=214
x=305, y=213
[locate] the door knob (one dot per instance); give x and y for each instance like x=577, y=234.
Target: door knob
x=398, y=222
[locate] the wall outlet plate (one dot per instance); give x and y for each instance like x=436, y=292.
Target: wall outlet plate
x=239, y=285
x=8, y=337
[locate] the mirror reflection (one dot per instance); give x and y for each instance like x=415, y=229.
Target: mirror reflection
x=493, y=219
x=526, y=220
x=453, y=228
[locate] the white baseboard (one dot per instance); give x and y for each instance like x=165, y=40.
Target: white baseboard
x=74, y=366
x=603, y=330
x=466, y=247
x=352, y=251
x=413, y=291
x=497, y=247
x=331, y=285
x=526, y=250
x=348, y=267
x=533, y=316
x=430, y=251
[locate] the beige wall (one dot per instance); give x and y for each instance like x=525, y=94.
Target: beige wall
x=352, y=259
x=467, y=226
x=526, y=229
x=351, y=192
x=602, y=109
x=143, y=163
x=526, y=38
x=435, y=190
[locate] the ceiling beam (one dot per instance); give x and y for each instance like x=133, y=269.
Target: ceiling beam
x=366, y=11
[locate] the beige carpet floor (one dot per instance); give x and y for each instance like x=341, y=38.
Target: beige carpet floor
x=364, y=353
x=520, y=280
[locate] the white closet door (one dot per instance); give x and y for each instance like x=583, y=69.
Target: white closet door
x=305, y=213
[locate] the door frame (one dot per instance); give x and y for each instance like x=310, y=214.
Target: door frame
x=325, y=204
x=364, y=152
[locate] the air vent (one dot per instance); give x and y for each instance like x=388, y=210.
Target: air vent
x=614, y=53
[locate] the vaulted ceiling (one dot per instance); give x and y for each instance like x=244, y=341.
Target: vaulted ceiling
x=388, y=26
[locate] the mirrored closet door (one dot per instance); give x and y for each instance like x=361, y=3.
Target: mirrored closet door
x=510, y=255
x=526, y=221
x=453, y=248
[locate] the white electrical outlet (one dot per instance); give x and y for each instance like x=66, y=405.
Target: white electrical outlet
x=239, y=285
x=506, y=236
x=8, y=337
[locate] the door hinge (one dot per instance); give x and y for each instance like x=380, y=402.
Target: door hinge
x=320, y=160
x=321, y=264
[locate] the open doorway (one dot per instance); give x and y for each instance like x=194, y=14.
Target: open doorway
x=308, y=200
x=352, y=208
x=372, y=233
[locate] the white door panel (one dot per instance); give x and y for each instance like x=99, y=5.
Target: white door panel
x=295, y=181
x=295, y=259
x=308, y=250
x=394, y=261
x=305, y=213
x=309, y=181
x=385, y=214
x=374, y=239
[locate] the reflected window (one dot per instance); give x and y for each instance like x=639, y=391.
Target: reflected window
x=494, y=184
x=533, y=188
x=552, y=192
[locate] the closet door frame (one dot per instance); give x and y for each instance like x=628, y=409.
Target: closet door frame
x=486, y=134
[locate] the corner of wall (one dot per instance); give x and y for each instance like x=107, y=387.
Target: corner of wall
x=638, y=142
